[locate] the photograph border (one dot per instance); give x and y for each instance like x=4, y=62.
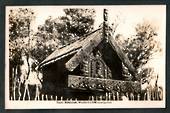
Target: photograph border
x=14, y=2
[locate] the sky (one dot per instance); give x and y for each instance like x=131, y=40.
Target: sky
x=129, y=16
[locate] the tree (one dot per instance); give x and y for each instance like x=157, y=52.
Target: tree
x=19, y=32
x=45, y=40
x=61, y=31
x=19, y=39
x=75, y=24
x=141, y=47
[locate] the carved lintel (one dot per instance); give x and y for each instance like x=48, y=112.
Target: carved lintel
x=89, y=83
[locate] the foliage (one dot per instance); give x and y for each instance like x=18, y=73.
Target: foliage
x=58, y=32
x=75, y=24
x=20, y=36
x=141, y=47
x=144, y=45
x=19, y=32
x=19, y=44
x=45, y=41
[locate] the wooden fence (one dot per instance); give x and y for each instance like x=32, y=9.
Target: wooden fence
x=116, y=96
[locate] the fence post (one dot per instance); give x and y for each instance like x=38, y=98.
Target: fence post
x=89, y=98
x=109, y=96
x=37, y=93
x=56, y=98
x=38, y=97
x=96, y=98
x=157, y=94
x=106, y=96
x=131, y=96
x=46, y=96
x=117, y=95
x=127, y=95
x=100, y=97
x=42, y=96
x=51, y=97
x=138, y=97
x=114, y=97
x=19, y=90
x=153, y=95
x=14, y=84
x=148, y=95
x=61, y=98
x=92, y=98
x=14, y=92
x=26, y=91
x=145, y=96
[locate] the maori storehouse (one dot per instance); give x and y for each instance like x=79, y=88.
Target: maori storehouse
x=90, y=67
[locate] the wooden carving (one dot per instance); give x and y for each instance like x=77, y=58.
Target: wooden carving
x=122, y=56
x=80, y=82
x=95, y=67
x=84, y=53
x=85, y=65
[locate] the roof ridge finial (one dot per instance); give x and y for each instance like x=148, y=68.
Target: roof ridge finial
x=105, y=15
x=105, y=24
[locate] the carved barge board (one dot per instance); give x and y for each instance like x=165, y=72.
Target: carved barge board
x=89, y=83
x=89, y=44
x=122, y=56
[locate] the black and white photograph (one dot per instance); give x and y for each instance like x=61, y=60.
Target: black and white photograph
x=85, y=56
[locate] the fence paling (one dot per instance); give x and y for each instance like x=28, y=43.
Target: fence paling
x=114, y=96
x=138, y=97
x=56, y=98
x=109, y=96
x=61, y=98
x=51, y=97
x=106, y=97
x=46, y=97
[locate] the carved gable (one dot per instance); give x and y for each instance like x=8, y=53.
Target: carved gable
x=94, y=66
